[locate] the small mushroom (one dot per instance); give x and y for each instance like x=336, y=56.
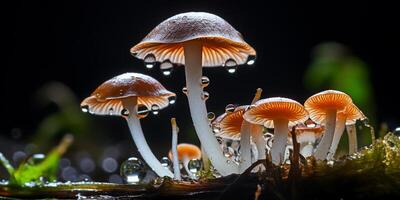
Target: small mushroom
x=232, y=126
x=174, y=151
x=187, y=152
x=131, y=95
x=323, y=108
x=278, y=113
x=346, y=117
x=307, y=134
x=197, y=40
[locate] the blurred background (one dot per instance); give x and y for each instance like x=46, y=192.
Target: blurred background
x=58, y=52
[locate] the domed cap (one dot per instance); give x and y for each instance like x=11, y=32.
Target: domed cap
x=352, y=113
x=221, y=42
x=267, y=110
x=190, y=151
x=106, y=99
x=229, y=124
x=319, y=103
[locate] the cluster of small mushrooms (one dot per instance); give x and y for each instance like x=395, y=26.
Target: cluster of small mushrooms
x=196, y=40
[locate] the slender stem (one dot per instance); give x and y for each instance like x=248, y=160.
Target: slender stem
x=352, y=134
x=245, y=148
x=258, y=139
x=340, y=125
x=198, y=110
x=205, y=160
x=140, y=141
x=306, y=149
x=10, y=169
x=323, y=147
x=185, y=162
x=281, y=131
x=246, y=131
x=254, y=152
x=175, y=160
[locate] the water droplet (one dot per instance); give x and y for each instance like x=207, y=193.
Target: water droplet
x=216, y=129
x=205, y=95
x=98, y=95
x=205, y=81
x=111, y=111
x=165, y=162
x=35, y=159
x=121, y=92
x=85, y=108
x=142, y=111
x=125, y=112
x=166, y=67
x=210, y=116
x=231, y=65
x=149, y=61
x=251, y=60
x=133, y=170
x=194, y=165
x=155, y=109
x=230, y=108
x=185, y=90
x=397, y=131
x=172, y=99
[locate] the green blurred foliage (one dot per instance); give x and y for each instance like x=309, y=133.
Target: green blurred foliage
x=67, y=119
x=44, y=169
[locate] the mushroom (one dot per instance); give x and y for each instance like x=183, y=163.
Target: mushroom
x=175, y=160
x=232, y=126
x=307, y=134
x=278, y=113
x=130, y=95
x=187, y=152
x=352, y=135
x=322, y=108
x=346, y=117
x=197, y=39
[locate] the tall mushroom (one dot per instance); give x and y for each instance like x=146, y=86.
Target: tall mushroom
x=278, y=113
x=187, y=152
x=231, y=125
x=132, y=96
x=346, y=117
x=196, y=40
x=174, y=151
x=323, y=108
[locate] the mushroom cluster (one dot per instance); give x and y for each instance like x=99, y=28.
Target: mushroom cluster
x=196, y=40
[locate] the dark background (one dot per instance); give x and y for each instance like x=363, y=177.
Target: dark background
x=83, y=43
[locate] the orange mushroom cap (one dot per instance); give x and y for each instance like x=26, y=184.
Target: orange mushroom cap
x=319, y=103
x=190, y=151
x=219, y=39
x=351, y=113
x=230, y=123
x=309, y=126
x=106, y=99
x=266, y=110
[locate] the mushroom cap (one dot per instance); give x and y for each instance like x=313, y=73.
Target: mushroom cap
x=309, y=127
x=220, y=40
x=352, y=113
x=267, y=110
x=191, y=151
x=107, y=98
x=230, y=123
x=319, y=103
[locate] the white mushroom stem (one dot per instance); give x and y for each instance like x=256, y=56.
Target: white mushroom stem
x=175, y=160
x=140, y=141
x=198, y=110
x=306, y=140
x=278, y=148
x=185, y=162
x=323, y=147
x=246, y=131
x=352, y=134
x=340, y=125
x=205, y=160
x=258, y=139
